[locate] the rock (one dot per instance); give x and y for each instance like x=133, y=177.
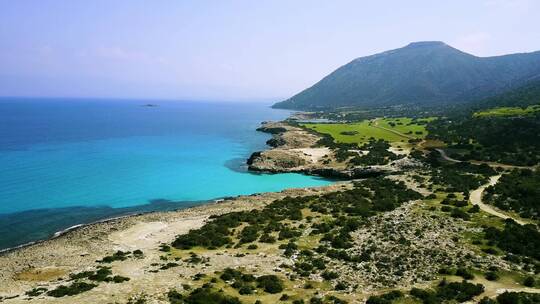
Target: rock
x=253, y=157
x=275, y=161
x=271, y=130
x=276, y=142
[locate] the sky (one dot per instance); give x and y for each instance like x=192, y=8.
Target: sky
x=231, y=50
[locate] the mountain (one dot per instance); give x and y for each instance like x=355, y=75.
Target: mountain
x=428, y=72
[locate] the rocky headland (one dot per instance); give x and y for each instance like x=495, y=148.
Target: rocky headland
x=297, y=150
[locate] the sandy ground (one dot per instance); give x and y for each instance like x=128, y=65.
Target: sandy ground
x=399, y=151
x=314, y=154
x=45, y=263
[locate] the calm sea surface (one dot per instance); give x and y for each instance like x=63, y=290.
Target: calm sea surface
x=69, y=161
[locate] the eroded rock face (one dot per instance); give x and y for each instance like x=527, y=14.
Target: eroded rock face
x=275, y=160
x=287, y=136
x=288, y=154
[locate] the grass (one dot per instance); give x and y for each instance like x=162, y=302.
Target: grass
x=361, y=132
x=405, y=125
x=508, y=111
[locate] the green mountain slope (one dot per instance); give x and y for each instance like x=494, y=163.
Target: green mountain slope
x=522, y=96
x=422, y=73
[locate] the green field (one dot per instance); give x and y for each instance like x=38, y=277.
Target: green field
x=405, y=125
x=361, y=132
x=508, y=111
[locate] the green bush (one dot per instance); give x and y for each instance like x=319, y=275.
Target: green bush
x=117, y=256
x=208, y=296
x=529, y=281
x=458, y=291
x=270, y=283
x=464, y=273
x=518, y=298
x=71, y=290
x=175, y=297
x=119, y=279
x=386, y=298
x=491, y=276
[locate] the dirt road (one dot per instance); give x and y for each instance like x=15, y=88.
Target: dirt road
x=476, y=199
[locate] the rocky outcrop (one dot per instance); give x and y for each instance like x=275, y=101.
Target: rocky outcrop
x=276, y=141
x=294, y=150
x=275, y=160
x=287, y=136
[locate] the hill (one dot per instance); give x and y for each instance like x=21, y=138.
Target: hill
x=429, y=72
x=522, y=96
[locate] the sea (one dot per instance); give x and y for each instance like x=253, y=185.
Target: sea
x=66, y=162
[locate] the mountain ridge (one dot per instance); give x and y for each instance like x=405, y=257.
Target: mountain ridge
x=419, y=73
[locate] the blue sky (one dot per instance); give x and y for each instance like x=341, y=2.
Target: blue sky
x=231, y=50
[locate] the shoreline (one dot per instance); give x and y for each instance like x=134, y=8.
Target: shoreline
x=78, y=248
x=105, y=219
x=332, y=175
x=60, y=233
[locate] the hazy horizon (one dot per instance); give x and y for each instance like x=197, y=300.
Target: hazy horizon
x=234, y=51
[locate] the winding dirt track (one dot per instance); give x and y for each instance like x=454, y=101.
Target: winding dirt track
x=476, y=196
x=446, y=157
x=479, y=162
x=476, y=199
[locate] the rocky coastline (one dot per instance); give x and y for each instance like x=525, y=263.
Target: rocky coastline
x=49, y=263
x=295, y=150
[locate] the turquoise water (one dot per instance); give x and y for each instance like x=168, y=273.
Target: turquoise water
x=65, y=162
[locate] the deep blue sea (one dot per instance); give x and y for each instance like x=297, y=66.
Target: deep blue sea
x=70, y=161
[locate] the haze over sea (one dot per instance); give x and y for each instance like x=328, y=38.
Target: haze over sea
x=69, y=161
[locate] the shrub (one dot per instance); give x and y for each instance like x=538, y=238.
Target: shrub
x=270, y=283
x=474, y=209
x=458, y=213
x=464, y=273
x=208, y=296
x=386, y=298
x=486, y=300
x=315, y=300
x=329, y=275
x=529, y=281
x=446, y=209
x=490, y=250
x=35, y=292
x=175, y=297
x=71, y=290
x=266, y=238
x=117, y=256
x=245, y=290
x=491, y=276
x=518, y=298
x=517, y=239
x=341, y=286
x=459, y=291
x=119, y=279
